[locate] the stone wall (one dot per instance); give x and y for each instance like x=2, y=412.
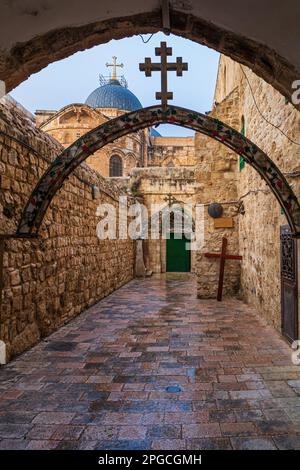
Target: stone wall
x=155, y=185
x=216, y=175
x=260, y=226
x=172, y=151
x=51, y=279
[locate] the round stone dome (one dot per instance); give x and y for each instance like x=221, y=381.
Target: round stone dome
x=113, y=95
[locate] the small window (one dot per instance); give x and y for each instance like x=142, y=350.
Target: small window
x=115, y=166
x=224, y=81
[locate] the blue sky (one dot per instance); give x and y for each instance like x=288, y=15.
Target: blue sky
x=71, y=80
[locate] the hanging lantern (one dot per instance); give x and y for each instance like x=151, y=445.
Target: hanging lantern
x=215, y=210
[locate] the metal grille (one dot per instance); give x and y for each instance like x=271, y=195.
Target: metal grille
x=115, y=166
x=289, y=284
x=288, y=265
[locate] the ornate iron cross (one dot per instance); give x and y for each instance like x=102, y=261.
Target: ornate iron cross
x=164, y=67
x=170, y=199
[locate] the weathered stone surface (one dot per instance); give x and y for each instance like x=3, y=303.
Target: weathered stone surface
x=155, y=184
x=49, y=280
x=73, y=121
x=216, y=175
x=259, y=227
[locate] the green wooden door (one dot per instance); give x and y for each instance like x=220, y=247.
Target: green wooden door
x=178, y=258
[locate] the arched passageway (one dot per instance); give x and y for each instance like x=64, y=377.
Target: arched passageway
x=73, y=156
x=271, y=52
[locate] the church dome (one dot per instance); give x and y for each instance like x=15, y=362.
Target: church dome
x=113, y=95
x=154, y=132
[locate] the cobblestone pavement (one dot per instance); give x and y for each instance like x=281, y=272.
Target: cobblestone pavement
x=153, y=367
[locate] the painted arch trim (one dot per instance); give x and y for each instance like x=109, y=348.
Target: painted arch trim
x=80, y=150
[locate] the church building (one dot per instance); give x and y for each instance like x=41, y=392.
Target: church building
x=155, y=166
x=141, y=149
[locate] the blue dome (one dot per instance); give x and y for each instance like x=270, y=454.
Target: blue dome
x=154, y=132
x=113, y=95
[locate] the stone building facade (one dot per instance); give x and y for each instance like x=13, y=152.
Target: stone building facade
x=216, y=176
x=259, y=226
x=156, y=186
x=73, y=121
x=141, y=154
x=172, y=152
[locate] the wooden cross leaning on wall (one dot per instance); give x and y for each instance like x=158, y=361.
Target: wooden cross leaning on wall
x=163, y=67
x=223, y=256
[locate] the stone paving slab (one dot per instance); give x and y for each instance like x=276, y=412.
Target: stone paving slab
x=153, y=367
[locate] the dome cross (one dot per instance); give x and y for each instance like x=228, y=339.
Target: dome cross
x=163, y=67
x=114, y=65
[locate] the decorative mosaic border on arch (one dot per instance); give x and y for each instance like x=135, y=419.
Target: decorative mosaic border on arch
x=89, y=143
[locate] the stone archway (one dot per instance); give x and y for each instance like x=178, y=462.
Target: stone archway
x=80, y=150
x=31, y=54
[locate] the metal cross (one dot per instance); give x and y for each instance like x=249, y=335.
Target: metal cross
x=164, y=67
x=114, y=65
x=170, y=199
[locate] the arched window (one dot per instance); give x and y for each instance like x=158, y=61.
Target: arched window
x=115, y=166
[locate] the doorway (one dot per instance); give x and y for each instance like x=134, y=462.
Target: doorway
x=178, y=257
x=289, y=284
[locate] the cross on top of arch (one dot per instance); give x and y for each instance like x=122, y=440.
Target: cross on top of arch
x=163, y=67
